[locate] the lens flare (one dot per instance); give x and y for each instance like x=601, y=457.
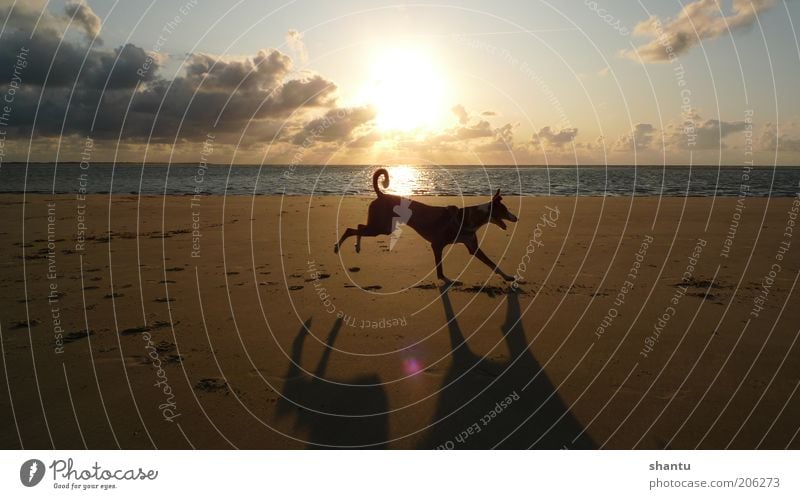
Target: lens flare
x=411, y=366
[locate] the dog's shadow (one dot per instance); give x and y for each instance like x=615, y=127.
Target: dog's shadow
x=491, y=397
x=336, y=413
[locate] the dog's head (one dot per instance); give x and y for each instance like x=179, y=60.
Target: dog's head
x=500, y=212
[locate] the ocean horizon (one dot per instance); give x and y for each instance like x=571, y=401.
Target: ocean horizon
x=407, y=180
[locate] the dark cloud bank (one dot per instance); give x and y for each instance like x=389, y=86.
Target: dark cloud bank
x=74, y=86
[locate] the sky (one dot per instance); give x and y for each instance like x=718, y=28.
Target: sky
x=369, y=82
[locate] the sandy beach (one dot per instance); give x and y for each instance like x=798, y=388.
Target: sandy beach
x=214, y=322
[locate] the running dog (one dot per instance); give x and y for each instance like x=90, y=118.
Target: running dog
x=439, y=225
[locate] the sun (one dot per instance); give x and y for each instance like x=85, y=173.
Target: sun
x=407, y=90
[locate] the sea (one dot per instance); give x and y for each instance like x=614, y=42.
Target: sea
x=408, y=180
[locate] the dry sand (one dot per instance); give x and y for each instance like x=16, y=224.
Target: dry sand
x=240, y=329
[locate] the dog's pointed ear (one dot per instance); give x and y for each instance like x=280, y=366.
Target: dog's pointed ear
x=497, y=194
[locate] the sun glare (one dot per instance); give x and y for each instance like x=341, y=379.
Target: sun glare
x=407, y=89
x=403, y=179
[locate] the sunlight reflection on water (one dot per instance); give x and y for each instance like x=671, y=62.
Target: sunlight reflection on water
x=405, y=180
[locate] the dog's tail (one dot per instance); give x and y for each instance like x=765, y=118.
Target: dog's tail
x=376, y=176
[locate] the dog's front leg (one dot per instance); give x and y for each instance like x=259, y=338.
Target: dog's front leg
x=488, y=261
x=437, y=256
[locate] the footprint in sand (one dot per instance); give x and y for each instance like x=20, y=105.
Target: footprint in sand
x=295, y=287
x=354, y=269
x=165, y=346
x=77, y=335
x=135, y=330
x=372, y=287
x=24, y=324
x=319, y=276
x=146, y=329
x=173, y=359
x=211, y=385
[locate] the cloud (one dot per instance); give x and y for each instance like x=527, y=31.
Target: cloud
x=770, y=140
x=224, y=96
x=22, y=16
x=258, y=102
x=478, y=130
x=73, y=88
x=63, y=66
x=294, y=40
x=477, y=136
x=365, y=140
x=337, y=125
x=503, y=139
x=84, y=17
x=60, y=62
x=693, y=133
x=640, y=137
x=546, y=136
x=264, y=71
x=111, y=93
x=470, y=129
x=699, y=133
x=710, y=132
x=461, y=113
x=699, y=20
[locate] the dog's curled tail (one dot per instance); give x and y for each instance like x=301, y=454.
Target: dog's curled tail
x=376, y=176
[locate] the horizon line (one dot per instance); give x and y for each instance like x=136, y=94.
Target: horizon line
x=390, y=165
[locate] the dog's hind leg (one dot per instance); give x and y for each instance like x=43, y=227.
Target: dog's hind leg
x=369, y=231
x=361, y=231
x=348, y=233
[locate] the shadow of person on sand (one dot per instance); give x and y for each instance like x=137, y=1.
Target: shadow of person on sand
x=485, y=403
x=336, y=413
